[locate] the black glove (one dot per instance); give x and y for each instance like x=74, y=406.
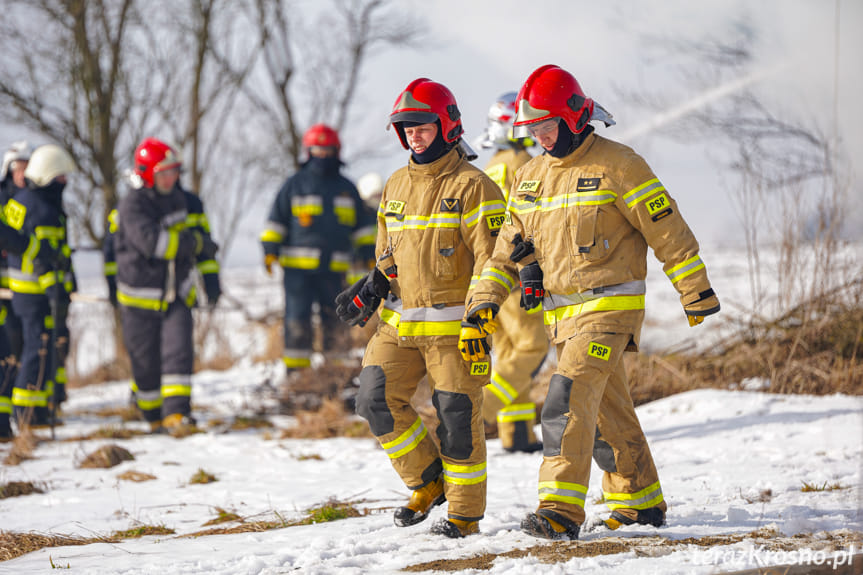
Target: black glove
x=190, y=244
x=532, y=291
x=47, y=260
x=213, y=288
x=522, y=248
x=356, y=304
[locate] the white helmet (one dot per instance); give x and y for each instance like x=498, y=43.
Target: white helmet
x=17, y=152
x=370, y=186
x=498, y=130
x=48, y=162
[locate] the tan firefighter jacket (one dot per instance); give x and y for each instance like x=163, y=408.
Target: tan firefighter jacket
x=502, y=166
x=439, y=221
x=591, y=216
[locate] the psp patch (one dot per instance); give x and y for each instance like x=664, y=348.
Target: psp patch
x=395, y=207
x=495, y=222
x=529, y=186
x=599, y=351
x=659, y=207
x=480, y=368
x=449, y=205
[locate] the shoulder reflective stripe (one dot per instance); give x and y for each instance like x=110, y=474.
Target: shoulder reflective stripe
x=562, y=491
x=484, y=209
x=517, y=412
x=407, y=441
x=609, y=303
x=688, y=267
x=500, y=277
x=501, y=388
x=642, y=192
x=644, y=499
x=464, y=474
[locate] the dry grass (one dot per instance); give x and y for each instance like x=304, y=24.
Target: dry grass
x=136, y=476
x=105, y=457
x=331, y=420
x=108, y=432
x=814, y=487
x=14, y=545
x=142, y=531
x=201, y=477
x=223, y=516
x=18, y=488
x=22, y=447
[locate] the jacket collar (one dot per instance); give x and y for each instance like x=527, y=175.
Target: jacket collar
x=573, y=157
x=444, y=165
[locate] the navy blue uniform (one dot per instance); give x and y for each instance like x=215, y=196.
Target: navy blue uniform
x=156, y=255
x=9, y=322
x=39, y=212
x=10, y=242
x=315, y=224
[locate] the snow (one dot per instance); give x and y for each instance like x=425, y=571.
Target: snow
x=730, y=462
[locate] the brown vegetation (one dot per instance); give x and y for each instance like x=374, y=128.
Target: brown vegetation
x=18, y=488
x=106, y=456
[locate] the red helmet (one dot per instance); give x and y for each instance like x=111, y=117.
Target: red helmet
x=425, y=102
x=549, y=92
x=321, y=135
x=153, y=156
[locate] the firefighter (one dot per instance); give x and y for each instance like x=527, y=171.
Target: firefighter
x=156, y=255
x=520, y=343
x=11, y=182
x=437, y=223
x=40, y=296
x=310, y=233
x=579, y=221
x=14, y=243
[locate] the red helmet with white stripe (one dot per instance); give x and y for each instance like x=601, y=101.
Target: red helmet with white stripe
x=552, y=92
x=153, y=156
x=321, y=136
x=425, y=102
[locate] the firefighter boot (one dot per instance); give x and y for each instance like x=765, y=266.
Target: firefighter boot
x=519, y=437
x=422, y=501
x=179, y=425
x=455, y=528
x=6, y=434
x=549, y=524
x=652, y=516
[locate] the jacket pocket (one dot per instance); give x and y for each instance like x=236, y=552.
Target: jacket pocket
x=446, y=262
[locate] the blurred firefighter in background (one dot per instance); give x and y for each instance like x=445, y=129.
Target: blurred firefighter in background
x=315, y=225
x=157, y=251
x=12, y=180
x=41, y=293
x=579, y=221
x=437, y=222
x=520, y=343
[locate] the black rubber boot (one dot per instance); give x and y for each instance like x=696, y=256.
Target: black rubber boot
x=549, y=524
x=422, y=501
x=653, y=516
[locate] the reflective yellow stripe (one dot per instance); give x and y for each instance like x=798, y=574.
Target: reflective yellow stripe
x=29, y=398
x=176, y=390
x=149, y=404
x=299, y=262
x=464, y=474
x=642, y=192
x=49, y=233
x=60, y=375
x=5, y=405
x=501, y=388
x=573, y=200
x=346, y=216
x=25, y=286
x=141, y=303
x=208, y=267
x=110, y=268
x=339, y=266
x=49, y=322
x=297, y=361
x=173, y=243
x=500, y=277
x=517, y=412
x=407, y=441
x=390, y=317
x=490, y=208
x=648, y=497
x=687, y=268
x=4, y=311
x=414, y=328
x=609, y=303
x=562, y=491
x=271, y=236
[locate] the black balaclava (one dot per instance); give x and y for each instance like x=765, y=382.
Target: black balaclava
x=53, y=193
x=327, y=165
x=567, y=141
x=435, y=150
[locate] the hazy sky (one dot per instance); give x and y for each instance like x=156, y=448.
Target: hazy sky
x=481, y=48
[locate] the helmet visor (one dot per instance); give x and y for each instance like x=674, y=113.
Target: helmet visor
x=536, y=129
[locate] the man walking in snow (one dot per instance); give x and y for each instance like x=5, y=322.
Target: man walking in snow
x=579, y=221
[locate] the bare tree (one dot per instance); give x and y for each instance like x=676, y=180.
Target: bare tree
x=66, y=76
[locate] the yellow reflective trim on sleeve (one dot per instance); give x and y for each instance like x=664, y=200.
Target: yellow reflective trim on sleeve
x=24, y=286
x=4, y=311
x=300, y=263
x=642, y=192
x=50, y=233
x=685, y=269
x=208, y=267
x=5, y=405
x=173, y=244
x=29, y=397
x=271, y=236
x=110, y=268
x=113, y=221
x=346, y=216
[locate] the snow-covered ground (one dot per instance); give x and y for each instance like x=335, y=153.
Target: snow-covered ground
x=730, y=462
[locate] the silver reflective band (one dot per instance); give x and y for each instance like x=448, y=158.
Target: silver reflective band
x=552, y=301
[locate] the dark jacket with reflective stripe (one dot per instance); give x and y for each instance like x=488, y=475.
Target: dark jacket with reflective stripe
x=37, y=212
x=8, y=189
x=148, y=243
x=313, y=218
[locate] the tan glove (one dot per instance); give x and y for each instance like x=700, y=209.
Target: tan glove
x=269, y=260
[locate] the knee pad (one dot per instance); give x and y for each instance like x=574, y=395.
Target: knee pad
x=454, y=432
x=603, y=454
x=554, y=412
x=372, y=400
